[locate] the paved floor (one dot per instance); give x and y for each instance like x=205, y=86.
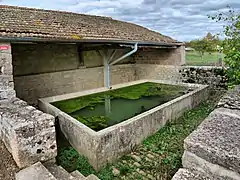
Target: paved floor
x=7, y=165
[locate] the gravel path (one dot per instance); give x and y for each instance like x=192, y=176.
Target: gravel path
x=7, y=165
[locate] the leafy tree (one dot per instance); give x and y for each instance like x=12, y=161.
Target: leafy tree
x=202, y=46
x=209, y=36
x=231, y=44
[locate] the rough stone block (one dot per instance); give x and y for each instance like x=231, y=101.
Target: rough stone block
x=35, y=172
x=28, y=133
x=77, y=175
x=231, y=100
x=185, y=174
x=7, y=94
x=60, y=173
x=217, y=139
x=195, y=163
x=92, y=177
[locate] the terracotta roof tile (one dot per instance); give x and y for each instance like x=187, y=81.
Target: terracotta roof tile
x=28, y=22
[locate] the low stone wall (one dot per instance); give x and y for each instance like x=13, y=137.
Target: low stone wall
x=28, y=133
x=215, y=77
x=214, y=148
x=113, y=142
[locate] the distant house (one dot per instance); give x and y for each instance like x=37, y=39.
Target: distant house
x=45, y=53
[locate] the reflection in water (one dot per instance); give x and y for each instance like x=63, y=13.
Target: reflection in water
x=120, y=109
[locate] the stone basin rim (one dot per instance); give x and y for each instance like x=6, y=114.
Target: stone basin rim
x=49, y=100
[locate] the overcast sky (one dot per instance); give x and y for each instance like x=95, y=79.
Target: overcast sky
x=181, y=19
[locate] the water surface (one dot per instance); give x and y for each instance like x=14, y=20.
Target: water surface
x=105, y=109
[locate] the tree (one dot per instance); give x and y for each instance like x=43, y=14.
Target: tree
x=202, y=46
x=231, y=44
x=209, y=36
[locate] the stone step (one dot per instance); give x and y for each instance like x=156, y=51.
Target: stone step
x=78, y=175
x=92, y=177
x=60, y=173
x=186, y=174
x=35, y=172
x=214, y=146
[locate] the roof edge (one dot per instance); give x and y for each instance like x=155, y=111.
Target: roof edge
x=89, y=41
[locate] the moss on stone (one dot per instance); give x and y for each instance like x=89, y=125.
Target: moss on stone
x=96, y=123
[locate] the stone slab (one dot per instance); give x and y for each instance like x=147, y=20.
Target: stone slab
x=35, y=172
x=92, y=177
x=77, y=175
x=217, y=139
x=60, y=173
x=195, y=163
x=28, y=133
x=186, y=174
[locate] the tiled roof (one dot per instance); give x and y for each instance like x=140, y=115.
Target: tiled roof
x=38, y=23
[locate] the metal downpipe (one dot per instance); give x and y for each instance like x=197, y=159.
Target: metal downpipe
x=126, y=55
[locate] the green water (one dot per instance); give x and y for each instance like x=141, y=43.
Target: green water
x=102, y=110
x=117, y=110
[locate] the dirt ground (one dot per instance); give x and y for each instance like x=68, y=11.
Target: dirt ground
x=7, y=165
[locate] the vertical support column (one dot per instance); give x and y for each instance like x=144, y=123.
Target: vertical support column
x=107, y=58
x=183, y=55
x=6, y=72
x=106, y=69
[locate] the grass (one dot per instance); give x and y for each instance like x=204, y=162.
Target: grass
x=194, y=59
x=167, y=143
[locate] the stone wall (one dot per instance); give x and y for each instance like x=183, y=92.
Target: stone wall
x=29, y=59
x=42, y=58
x=162, y=56
x=93, y=58
x=6, y=78
x=32, y=87
x=215, y=77
x=28, y=133
x=158, y=72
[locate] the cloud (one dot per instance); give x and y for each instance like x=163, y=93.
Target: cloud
x=182, y=20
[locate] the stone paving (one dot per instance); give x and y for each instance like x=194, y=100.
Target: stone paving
x=140, y=164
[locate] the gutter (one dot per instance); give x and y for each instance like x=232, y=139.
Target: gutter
x=126, y=55
x=89, y=41
x=108, y=63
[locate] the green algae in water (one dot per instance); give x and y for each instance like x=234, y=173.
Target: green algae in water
x=105, y=109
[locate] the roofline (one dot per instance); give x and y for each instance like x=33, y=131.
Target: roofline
x=89, y=41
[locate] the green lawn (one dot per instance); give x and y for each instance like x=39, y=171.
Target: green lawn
x=194, y=59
